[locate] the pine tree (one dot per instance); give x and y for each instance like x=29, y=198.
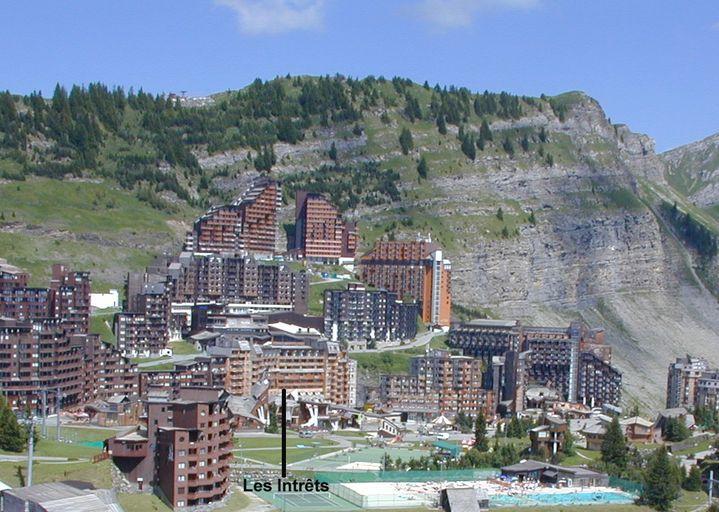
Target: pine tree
x=569, y=444
x=333, y=152
x=480, y=433
x=676, y=430
x=661, y=481
x=468, y=147
x=423, y=168
x=693, y=481
x=13, y=437
x=500, y=213
x=272, y=427
x=532, y=219
x=405, y=141
x=614, y=446
x=441, y=125
x=484, y=131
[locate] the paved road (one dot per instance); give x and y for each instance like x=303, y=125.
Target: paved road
x=419, y=341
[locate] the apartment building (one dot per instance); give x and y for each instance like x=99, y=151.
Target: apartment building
x=184, y=449
x=48, y=356
x=415, y=269
x=247, y=224
x=438, y=383
x=708, y=390
x=143, y=329
x=320, y=232
x=574, y=361
x=44, y=345
x=682, y=380
x=68, y=297
x=237, y=278
x=282, y=360
x=360, y=315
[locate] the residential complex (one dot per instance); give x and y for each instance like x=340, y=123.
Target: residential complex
x=360, y=315
x=438, y=383
x=415, y=269
x=691, y=382
x=143, y=329
x=247, y=224
x=184, y=448
x=67, y=298
x=235, y=278
x=320, y=232
x=574, y=361
x=45, y=347
x=309, y=365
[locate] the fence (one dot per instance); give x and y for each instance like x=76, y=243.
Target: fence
x=626, y=485
x=452, y=475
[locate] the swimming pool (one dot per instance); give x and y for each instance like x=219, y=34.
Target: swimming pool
x=562, y=498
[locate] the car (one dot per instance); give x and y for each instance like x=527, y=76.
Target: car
x=442, y=436
x=306, y=434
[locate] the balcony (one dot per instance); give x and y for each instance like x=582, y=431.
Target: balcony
x=128, y=448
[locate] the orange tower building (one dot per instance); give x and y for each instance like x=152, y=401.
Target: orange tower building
x=412, y=268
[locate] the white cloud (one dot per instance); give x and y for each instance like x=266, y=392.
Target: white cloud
x=257, y=17
x=461, y=13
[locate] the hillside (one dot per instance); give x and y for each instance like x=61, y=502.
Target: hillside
x=548, y=211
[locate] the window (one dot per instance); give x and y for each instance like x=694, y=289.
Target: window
x=181, y=503
x=180, y=465
x=181, y=478
x=180, y=490
x=180, y=453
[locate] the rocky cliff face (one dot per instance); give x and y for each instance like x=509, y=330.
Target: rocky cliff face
x=593, y=250
x=694, y=170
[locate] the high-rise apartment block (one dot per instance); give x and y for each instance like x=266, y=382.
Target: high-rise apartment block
x=438, y=383
x=248, y=224
x=143, y=329
x=234, y=278
x=415, y=269
x=320, y=232
x=358, y=314
x=185, y=448
x=682, y=380
x=68, y=297
x=574, y=360
x=45, y=347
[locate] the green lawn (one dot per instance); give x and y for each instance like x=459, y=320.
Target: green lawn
x=14, y=473
x=384, y=362
x=276, y=442
x=95, y=226
x=182, y=348
x=577, y=459
x=440, y=342
x=102, y=324
x=274, y=456
x=317, y=290
x=71, y=444
x=151, y=503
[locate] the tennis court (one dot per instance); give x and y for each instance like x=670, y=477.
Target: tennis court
x=359, y=455
x=308, y=501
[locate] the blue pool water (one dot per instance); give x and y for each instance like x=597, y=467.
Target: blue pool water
x=569, y=498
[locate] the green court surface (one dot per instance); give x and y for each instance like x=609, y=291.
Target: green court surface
x=308, y=501
x=360, y=455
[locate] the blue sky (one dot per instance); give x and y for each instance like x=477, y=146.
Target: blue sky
x=651, y=64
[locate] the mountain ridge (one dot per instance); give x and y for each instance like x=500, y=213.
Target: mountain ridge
x=549, y=213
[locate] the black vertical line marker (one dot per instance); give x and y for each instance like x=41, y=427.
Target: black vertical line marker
x=284, y=433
